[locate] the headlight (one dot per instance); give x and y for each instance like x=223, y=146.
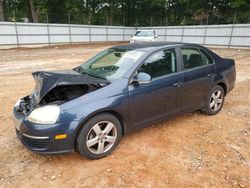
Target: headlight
x=45, y=115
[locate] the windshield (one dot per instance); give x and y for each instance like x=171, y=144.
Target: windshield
x=110, y=64
x=144, y=33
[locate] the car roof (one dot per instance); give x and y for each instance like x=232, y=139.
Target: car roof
x=149, y=46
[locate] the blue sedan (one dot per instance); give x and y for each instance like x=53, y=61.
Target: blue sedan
x=89, y=108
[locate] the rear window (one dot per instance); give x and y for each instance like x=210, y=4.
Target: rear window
x=193, y=58
x=144, y=33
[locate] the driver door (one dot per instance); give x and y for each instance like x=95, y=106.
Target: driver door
x=160, y=98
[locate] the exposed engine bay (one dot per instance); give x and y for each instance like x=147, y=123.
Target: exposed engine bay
x=25, y=105
x=57, y=88
x=65, y=93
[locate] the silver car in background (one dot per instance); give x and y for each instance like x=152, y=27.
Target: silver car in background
x=143, y=36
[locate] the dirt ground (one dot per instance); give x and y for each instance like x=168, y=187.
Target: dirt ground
x=192, y=150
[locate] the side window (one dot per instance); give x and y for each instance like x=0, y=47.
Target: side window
x=193, y=58
x=160, y=63
x=209, y=58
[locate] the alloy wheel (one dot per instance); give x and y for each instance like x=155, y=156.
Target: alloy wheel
x=101, y=137
x=216, y=100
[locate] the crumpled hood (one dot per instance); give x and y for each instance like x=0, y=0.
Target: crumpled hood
x=46, y=81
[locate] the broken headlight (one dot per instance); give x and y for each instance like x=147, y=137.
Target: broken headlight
x=45, y=115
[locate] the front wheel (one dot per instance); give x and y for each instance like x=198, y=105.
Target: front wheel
x=99, y=136
x=214, y=101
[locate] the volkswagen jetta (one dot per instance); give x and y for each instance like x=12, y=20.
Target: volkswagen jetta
x=123, y=88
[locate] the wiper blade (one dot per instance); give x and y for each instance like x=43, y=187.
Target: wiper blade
x=81, y=71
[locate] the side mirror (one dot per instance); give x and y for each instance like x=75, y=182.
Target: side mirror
x=142, y=78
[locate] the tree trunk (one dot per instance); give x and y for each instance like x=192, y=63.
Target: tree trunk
x=1, y=11
x=123, y=13
x=33, y=12
x=111, y=12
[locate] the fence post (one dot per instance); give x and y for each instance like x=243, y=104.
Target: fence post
x=166, y=33
x=232, y=30
x=70, y=41
x=136, y=24
x=17, y=39
x=47, y=20
x=123, y=33
x=166, y=29
x=89, y=30
x=182, y=34
x=205, y=35
x=107, y=37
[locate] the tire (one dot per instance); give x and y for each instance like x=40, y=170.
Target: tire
x=99, y=136
x=214, y=101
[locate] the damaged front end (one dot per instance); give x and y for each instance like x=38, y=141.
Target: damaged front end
x=63, y=86
x=57, y=88
x=22, y=108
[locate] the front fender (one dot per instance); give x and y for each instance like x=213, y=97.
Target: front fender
x=82, y=112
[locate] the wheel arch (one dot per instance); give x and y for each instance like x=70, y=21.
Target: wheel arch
x=112, y=112
x=224, y=86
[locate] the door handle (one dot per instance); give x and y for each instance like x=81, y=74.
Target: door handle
x=177, y=84
x=210, y=75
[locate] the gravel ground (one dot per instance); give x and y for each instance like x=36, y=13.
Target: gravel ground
x=192, y=150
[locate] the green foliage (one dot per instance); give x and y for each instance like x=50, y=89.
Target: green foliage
x=129, y=12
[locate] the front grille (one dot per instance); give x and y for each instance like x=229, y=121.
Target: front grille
x=36, y=143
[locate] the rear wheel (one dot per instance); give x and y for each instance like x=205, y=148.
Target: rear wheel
x=214, y=100
x=99, y=136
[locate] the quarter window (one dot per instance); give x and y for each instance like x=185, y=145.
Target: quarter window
x=210, y=59
x=193, y=58
x=160, y=63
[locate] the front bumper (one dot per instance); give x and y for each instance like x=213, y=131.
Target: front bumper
x=41, y=138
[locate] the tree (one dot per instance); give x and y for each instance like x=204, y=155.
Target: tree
x=1, y=11
x=57, y=11
x=33, y=11
x=111, y=12
x=127, y=12
x=242, y=8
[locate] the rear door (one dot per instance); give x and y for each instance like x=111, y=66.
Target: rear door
x=198, y=72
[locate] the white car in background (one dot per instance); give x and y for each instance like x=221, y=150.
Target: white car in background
x=143, y=36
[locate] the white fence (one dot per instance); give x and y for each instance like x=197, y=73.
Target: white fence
x=36, y=33
x=19, y=34
x=237, y=35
